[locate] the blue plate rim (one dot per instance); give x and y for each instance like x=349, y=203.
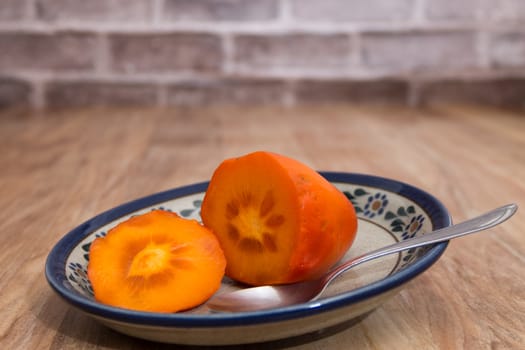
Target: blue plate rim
x=55, y=262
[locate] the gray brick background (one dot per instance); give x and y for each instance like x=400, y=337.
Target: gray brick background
x=66, y=53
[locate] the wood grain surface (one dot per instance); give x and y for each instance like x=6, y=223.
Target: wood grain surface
x=58, y=169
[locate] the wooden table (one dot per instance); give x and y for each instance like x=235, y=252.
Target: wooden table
x=59, y=169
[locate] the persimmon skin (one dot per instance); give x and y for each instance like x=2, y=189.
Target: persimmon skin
x=156, y=262
x=278, y=221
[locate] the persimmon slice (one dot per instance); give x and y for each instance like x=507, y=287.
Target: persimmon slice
x=156, y=262
x=278, y=221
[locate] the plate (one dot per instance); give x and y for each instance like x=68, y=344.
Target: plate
x=387, y=210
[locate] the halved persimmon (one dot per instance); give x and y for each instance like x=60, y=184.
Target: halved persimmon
x=278, y=221
x=156, y=262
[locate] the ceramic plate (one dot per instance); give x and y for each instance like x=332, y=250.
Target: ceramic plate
x=388, y=211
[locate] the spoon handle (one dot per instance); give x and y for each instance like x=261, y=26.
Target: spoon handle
x=479, y=223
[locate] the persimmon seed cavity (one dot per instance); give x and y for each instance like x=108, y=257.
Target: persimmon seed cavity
x=252, y=245
x=267, y=204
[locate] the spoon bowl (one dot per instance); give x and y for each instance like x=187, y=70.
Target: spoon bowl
x=267, y=297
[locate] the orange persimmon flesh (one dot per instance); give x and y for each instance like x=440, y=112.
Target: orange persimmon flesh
x=278, y=221
x=156, y=262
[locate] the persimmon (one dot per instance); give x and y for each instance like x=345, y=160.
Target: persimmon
x=278, y=221
x=156, y=262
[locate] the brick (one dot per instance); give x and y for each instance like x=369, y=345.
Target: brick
x=292, y=52
x=12, y=10
x=500, y=92
x=455, y=10
x=82, y=94
x=94, y=10
x=375, y=92
x=507, y=50
x=506, y=11
x=419, y=51
x=227, y=92
x=14, y=92
x=352, y=10
x=166, y=52
x=481, y=10
x=221, y=10
x=61, y=51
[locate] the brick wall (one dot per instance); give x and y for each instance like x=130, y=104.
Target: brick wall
x=56, y=53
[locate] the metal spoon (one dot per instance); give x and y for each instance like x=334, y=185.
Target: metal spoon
x=267, y=297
